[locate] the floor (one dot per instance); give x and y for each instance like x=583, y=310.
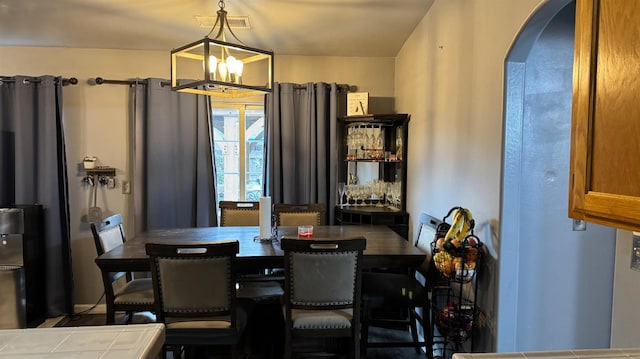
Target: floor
x=384, y=353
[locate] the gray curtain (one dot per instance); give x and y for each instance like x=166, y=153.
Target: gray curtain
x=34, y=170
x=300, y=144
x=173, y=166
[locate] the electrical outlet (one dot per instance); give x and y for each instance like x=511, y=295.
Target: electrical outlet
x=579, y=225
x=126, y=187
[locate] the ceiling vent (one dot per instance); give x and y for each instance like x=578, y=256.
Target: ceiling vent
x=235, y=22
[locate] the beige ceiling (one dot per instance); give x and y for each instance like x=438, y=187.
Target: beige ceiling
x=375, y=28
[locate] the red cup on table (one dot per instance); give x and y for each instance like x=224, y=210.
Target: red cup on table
x=305, y=232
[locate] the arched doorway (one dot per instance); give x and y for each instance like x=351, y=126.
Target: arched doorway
x=555, y=283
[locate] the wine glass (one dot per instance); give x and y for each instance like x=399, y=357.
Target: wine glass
x=349, y=193
x=368, y=143
x=399, y=148
x=350, y=144
x=379, y=144
x=341, y=193
x=380, y=189
x=359, y=139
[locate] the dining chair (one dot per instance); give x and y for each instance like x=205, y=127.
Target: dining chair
x=257, y=286
x=122, y=291
x=239, y=213
x=409, y=292
x=289, y=214
x=322, y=291
x=195, y=295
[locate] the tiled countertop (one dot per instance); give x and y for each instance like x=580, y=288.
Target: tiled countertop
x=135, y=341
x=559, y=354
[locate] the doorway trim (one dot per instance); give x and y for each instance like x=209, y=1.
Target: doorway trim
x=513, y=112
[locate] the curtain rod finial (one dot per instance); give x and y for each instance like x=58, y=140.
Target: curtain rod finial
x=95, y=81
x=70, y=81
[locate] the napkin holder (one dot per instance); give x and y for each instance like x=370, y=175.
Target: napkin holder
x=266, y=229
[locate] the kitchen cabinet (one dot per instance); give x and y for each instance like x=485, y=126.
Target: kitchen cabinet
x=605, y=134
x=372, y=171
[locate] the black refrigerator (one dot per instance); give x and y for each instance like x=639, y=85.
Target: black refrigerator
x=22, y=244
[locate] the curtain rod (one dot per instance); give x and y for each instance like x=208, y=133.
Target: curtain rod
x=65, y=82
x=100, y=81
x=341, y=87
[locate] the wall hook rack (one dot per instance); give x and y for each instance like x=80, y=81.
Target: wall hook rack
x=102, y=175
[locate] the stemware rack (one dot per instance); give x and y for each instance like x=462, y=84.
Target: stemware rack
x=372, y=170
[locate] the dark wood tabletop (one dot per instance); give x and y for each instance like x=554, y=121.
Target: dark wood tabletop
x=385, y=248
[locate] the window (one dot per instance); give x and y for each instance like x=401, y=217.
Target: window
x=238, y=148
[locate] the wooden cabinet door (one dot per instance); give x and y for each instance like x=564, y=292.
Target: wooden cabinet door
x=605, y=143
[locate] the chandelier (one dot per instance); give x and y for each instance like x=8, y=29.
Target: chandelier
x=214, y=66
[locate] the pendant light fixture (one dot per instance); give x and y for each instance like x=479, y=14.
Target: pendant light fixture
x=217, y=67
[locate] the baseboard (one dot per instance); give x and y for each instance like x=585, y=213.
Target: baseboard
x=78, y=308
x=90, y=308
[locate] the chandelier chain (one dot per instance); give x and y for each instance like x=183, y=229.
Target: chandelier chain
x=222, y=21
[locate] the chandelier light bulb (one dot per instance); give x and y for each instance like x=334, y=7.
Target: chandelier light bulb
x=222, y=69
x=213, y=64
x=235, y=67
x=231, y=64
x=239, y=67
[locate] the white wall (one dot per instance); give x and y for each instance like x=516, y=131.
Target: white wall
x=96, y=120
x=449, y=77
x=374, y=75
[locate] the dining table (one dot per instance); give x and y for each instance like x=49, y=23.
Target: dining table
x=385, y=248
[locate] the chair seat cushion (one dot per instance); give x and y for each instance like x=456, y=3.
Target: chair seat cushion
x=392, y=288
x=137, y=291
x=321, y=319
x=202, y=332
x=202, y=323
x=178, y=325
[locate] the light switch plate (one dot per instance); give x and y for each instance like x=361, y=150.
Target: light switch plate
x=126, y=187
x=635, y=251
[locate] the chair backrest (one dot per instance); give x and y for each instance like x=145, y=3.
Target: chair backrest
x=239, y=213
x=323, y=273
x=299, y=214
x=426, y=234
x=108, y=233
x=194, y=280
